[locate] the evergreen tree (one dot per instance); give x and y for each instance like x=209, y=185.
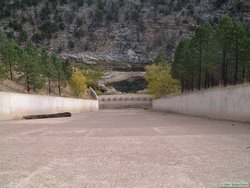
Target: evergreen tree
x=246, y=58
x=184, y=65
x=240, y=53
x=30, y=67
x=49, y=69
x=2, y=71
x=59, y=73
x=202, y=40
x=33, y=67
x=67, y=69
x=160, y=59
x=9, y=56
x=225, y=36
x=214, y=56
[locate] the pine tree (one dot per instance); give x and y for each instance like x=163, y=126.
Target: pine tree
x=245, y=58
x=202, y=40
x=9, y=56
x=2, y=71
x=225, y=35
x=240, y=53
x=49, y=69
x=184, y=65
x=160, y=59
x=30, y=67
x=60, y=76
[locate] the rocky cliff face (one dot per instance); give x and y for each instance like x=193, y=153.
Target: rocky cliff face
x=129, y=31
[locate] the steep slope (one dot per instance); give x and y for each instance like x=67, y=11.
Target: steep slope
x=106, y=30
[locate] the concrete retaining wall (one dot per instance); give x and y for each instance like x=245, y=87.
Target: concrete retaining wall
x=15, y=105
x=231, y=103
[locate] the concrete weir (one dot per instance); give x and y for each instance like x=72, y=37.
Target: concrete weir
x=16, y=105
x=125, y=101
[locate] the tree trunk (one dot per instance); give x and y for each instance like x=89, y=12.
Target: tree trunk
x=186, y=85
x=11, y=73
x=226, y=74
x=43, y=116
x=49, y=85
x=213, y=83
x=223, y=69
x=34, y=86
x=28, y=83
x=182, y=85
x=192, y=83
x=199, y=79
x=59, y=87
x=206, y=80
x=236, y=62
x=243, y=74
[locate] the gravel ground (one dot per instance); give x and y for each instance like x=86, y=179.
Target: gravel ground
x=125, y=149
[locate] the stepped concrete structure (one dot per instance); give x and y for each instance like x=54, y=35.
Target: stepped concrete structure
x=125, y=101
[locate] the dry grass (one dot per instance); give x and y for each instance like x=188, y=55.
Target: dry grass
x=8, y=85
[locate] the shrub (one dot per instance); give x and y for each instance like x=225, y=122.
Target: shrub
x=78, y=84
x=160, y=81
x=71, y=44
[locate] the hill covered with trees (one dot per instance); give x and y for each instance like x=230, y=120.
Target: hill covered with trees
x=37, y=69
x=204, y=47
x=214, y=56
x=121, y=30
x=31, y=67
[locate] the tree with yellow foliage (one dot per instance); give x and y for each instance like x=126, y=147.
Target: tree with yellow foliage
x=78, y=84
x=160, y=81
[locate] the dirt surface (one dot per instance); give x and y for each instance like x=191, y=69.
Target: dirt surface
x=12, y=86
x=123, y=148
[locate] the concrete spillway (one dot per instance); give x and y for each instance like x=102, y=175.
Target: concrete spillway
x=125, y=101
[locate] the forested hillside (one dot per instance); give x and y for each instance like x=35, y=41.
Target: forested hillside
x=216, y=55
x=201, y=43
x=31, y=67
x=37, y=70
x=121, y=30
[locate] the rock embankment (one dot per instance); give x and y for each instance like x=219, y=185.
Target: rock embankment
x=112, y=78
